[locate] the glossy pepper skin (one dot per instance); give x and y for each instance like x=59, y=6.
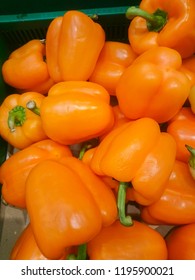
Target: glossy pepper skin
x=114, y=58
x=171, y=27
x=182, y=128
x=138, y=242
x=73, y=44
x=18, y=125
x=163, y=88
x=76, y=115
x=181, y=242
x=26, y=69
x=15, y=170
x=176, y=206
x=25, y=247
x=75, y=207
x=137, y=152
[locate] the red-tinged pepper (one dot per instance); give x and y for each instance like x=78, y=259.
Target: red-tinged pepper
x=176, y=206
x=112, y=61
x=26, y=68
x=73, y=44
x=21, y=127
x=14, y=171
x=159, y=23
x=138, y=242
x=162, y=91
x=66, y=208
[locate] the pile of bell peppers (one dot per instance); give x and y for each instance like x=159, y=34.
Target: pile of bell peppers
x=99, y=128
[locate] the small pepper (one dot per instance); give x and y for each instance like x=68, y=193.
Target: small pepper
x=162, y=91
x=26, y=68
x=14, y=171
x=19, y=126
x=159, y=23
x=73, y=44
x=66, y=208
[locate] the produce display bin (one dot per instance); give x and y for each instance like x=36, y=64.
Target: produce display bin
x=21, y=22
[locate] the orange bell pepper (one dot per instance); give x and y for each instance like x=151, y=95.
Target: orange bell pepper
x=14, y=171
x=157, y=23
x=182, y=128
x=180, y=242
x=26, y=69
x=25, y=247
x=188, y=67
x=176, y=206
x=112, y=61
x=19, y=126
x=67, y=205
x=73, y=44
x=76, y=114
x=138, y=242
x=163, y=88
x=137, y=153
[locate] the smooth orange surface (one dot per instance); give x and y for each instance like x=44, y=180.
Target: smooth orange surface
x=178, y=32
x=162, y=91
x=177, y=204
x=15, y=170
x=137, y=242
x=62, y=210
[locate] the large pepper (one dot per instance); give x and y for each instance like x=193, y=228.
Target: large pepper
x=15, y=169
x=73, y=44
x=182, y=128
x=112, y=61
x=159, y=23
x=19, y=126
x=26, y=69
x=163, y=88
x=77, y=113
x=137, y=153
x=67, y=205
x=138, y=242
x=182, y=237
x=176, y=205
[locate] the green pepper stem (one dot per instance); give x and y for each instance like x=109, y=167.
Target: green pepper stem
x=31, y=105
x=155, y=21
x=16, y=117
x=83, y=150
x=81, y=253
x=121, y=204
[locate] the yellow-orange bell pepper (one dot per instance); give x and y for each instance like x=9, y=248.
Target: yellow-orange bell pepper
x=73, y=44
x=15, y=169
x=137, y=153
x=19, y=126
x=153, y=85
x=161, y=23
x=67, y=205
x=112, y=61
x=26, y=68
x=77, y=113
